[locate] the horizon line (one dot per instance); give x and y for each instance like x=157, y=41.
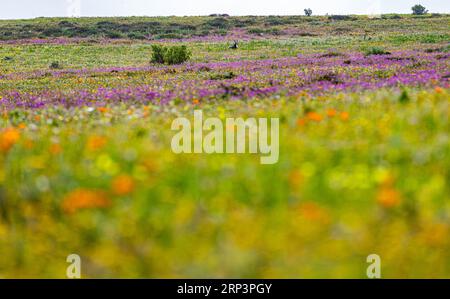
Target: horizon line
x=216, y=15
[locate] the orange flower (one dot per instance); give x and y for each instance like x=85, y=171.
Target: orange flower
x=295, y=178
x=55, y=148
x=301, y=122
x=37, y=118
x=331, y=112
x=438, y=89
x=122, y=185
x=314, y=116
x=84, y=199
x=102, y=109
x=22, y=126
x=313, y=212
x=28, y=143
x=96, y=142
x=388, y=197
x=195, y=101
x=345, y=116
x=8, y=138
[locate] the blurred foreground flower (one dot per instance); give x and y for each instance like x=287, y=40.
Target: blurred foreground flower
x=96, y=142
x=313, y=212
x=84, y=199
x=8, y=138
x=345, y=116
x=122, y=185
x=331, y=112
x=388, y=197
x=314, y=116
x=439, y=90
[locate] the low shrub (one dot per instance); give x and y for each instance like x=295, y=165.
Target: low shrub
x=170, y=55
x=376, y=51
x=342, y=18
x=55, y=65
x=222, y=76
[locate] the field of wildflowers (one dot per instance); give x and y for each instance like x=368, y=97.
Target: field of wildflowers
x=86, y=165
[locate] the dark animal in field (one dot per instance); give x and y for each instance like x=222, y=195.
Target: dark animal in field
x=234, y=46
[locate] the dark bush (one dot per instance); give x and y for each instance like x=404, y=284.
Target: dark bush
x=275, y=21
x=376, y=51
x=396, y=17
x=218, y=23
x=158, y=53
x=170, y=55
x=66, y=24
x=404, y=97
x=243, y=23
x=177, y=55
x=52, y=32
x=114, y=34
x=419, y=10
x=341, y=18
x=136, y=35
x=106, y=25
x=222, y=76
x=55, y=65
x=329, y=77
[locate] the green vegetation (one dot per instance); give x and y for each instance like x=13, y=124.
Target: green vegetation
x=419, y=10
x=170, y=55
x=154, y=28
x=376, y=51
x=86, y=165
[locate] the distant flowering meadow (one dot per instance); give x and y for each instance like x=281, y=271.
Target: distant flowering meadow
x=311, y=74
x=86, y=165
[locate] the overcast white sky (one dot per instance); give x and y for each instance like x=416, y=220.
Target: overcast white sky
x=16, y=9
